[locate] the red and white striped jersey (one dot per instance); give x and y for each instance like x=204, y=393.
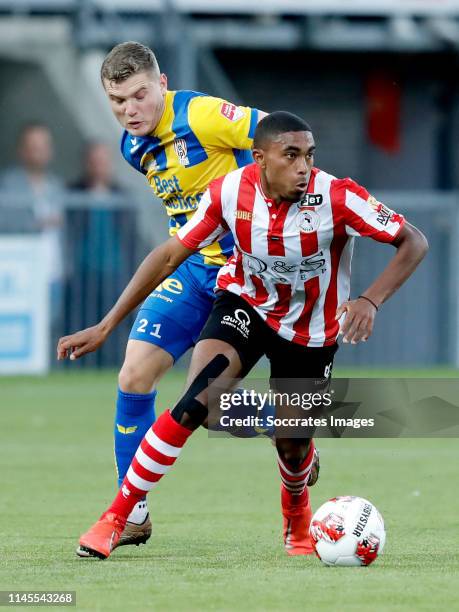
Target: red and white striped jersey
x=291, y=262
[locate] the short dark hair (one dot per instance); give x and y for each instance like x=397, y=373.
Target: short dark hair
x=126, y=59
x=277, y=123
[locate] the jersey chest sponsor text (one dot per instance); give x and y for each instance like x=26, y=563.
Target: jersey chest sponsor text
x=172, y=194
x=305, y=237
x=283, y=270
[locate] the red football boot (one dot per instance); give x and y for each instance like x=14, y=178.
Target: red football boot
x=297, y=518
x=103, y=536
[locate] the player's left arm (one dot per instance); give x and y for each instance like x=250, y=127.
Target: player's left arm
x=367, y=217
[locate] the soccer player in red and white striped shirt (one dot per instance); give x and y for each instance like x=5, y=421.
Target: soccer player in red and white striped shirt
x=283, y=294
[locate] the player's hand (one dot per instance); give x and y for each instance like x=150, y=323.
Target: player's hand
x=80, y=343
x=358, y=324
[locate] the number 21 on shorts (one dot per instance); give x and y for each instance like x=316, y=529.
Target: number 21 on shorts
x=155, y=327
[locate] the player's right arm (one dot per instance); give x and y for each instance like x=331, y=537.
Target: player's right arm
x=203, y=229
x=365, y=216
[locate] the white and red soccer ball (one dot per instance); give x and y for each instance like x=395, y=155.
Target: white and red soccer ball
x=348, y=531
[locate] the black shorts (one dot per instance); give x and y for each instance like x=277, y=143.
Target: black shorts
x=234, y=321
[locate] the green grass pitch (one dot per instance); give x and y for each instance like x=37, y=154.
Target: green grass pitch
x=217, y=526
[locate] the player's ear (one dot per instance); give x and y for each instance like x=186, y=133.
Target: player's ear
x=163, y=83
x=259, y=157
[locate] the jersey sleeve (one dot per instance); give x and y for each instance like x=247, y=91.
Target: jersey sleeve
x=207, y=225
x=218, y=123
x=363, y=215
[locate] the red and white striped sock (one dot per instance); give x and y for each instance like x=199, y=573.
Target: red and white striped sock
x=295, y=494
x=155, y=456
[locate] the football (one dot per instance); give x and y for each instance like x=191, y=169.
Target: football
x=348, y=531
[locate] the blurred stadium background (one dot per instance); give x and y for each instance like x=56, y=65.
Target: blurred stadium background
x=377, y=80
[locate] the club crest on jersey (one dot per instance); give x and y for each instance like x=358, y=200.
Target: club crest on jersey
x=181, y=149
x=308, y=221
x=231, y=111
x=311, y=199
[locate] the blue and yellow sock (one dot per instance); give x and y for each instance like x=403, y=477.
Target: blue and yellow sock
x=135, y=414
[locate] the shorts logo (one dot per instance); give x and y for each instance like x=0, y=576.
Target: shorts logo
x=173, y=285
x=231, y=111
x=242, y=317
x=308, y=221
x=240, y=321
x=181, y=150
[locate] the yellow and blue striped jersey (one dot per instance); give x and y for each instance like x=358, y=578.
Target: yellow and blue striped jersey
x=197, y=139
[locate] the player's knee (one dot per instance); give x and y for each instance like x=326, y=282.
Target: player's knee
x=132, y=379
x=292, y=452
x=190, y=412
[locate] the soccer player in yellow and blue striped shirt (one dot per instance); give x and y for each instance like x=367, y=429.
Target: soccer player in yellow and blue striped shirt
x=180, y=141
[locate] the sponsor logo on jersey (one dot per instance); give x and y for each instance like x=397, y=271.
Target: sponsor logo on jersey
x=312, y=263
x=308, y=221
x=311, y=199
x=384, y=214
x=255, y=265
x=231, y=111
x=166, y=186
x=181, y=150
x=240, y=321
x=374, y=204
x=310, y=266
x=244, y=215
